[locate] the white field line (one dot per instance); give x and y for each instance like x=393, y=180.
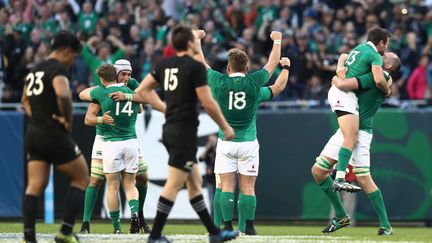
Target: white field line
x=108, y=238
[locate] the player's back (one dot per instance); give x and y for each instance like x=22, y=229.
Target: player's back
x=239, y=97
x=361, y=59
x=41, y=94
x=124, y=114
x=178, y=77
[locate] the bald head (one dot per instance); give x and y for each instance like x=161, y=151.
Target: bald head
x=392, y=63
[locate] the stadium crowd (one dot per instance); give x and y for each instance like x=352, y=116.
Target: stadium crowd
x=315, y=32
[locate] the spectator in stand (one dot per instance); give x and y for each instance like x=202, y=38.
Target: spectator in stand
x=417, y=83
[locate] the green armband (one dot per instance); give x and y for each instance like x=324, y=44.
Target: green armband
x=99, y=120
x=128, y=97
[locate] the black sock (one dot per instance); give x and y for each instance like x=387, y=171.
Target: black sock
x=73, y=206
x=163, y=209
x=30, y=210
x=228, y=225
x=199, y=206
x=141, y=215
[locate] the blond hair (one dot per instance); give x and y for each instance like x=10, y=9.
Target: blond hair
x=238, y=60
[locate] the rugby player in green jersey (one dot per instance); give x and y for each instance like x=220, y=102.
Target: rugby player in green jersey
x=369, y=99
x=361, y=60
x=120, y=147
x=239, y=95
x=123, y=71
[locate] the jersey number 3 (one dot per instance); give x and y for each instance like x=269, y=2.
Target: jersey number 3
x=35, y=85
x=170, y=80
x=237, y=99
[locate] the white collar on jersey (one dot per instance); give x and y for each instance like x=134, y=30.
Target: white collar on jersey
x=237, y=75
x=116, y=85
x=373, y=45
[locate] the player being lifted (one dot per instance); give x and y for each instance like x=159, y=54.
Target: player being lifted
x=123, y=72
x=361, y=60
x=184, y=82
x=47, y=101
x=369, y=99
x=120, y=147
x=239, y=95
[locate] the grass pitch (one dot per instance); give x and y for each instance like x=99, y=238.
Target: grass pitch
x=194, y=233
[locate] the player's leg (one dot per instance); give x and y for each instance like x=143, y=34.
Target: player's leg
x=248, y=166
x=247, y=204
x=131, y=192
x=349, y=125
x=194, y=184
x=175, y=181
x=77, y=171
x=141, y=185
x=364, y=179
x=113, y=182
x=37, y=178
x=96, y=178
x=217, y=212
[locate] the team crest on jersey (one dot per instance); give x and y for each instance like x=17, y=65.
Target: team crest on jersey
x=189, y=165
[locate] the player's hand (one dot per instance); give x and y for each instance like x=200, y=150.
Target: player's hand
x=107, y=119
x=276, y=35
x=228, y=133
x=63, y=121
x=285, y=61
x=341, y=72
x=117, y=96
x=389, y=81
x=200, y=34
x=335, y=80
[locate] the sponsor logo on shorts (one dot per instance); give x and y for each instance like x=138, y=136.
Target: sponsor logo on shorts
x=134, y=168
x=189, y=165
x=77, y=150
x=357, y=108
x=99, y=152
x=338, y=104
x=252, y=170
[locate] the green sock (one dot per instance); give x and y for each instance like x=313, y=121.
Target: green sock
x=89, y=202
x=142, y=192
x=217, y=208
x=344, y=157
x=378, y=204
x=227, y=205
x=333, y=196
x=249, y=207
x=133, y=204
x=240, y=210
x=115, y=219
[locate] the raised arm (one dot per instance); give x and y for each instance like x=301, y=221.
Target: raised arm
x=199, y=35
x=282, y=79
x=64, y=101
x=273, y=60
x=214, y=111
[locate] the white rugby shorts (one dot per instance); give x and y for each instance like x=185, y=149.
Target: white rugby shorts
x=241, y=157
x=340, y=100
x=120, y=156
x=360, y=154
x=97, y=147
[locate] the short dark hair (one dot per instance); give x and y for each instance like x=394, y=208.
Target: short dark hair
x=107, y=72
x=238, y=60
x=66, y=39
x=376, y=35
x=180, y=37
x=396, y=64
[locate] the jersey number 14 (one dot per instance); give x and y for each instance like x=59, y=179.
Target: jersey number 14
x=127, y=108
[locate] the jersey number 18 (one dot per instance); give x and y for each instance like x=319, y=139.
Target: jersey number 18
x=239, y=100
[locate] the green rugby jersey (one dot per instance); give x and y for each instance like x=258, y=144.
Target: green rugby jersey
x=132, y=84
x=239, y=97
x=124, y=113
x=361, y=59
x=370, y=99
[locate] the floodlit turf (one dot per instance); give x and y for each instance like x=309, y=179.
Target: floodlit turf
x=11, y=232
